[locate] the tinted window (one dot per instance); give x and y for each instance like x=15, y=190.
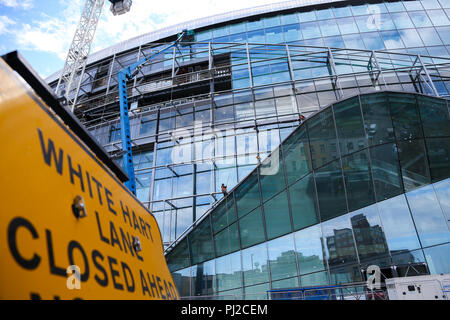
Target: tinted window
x=303, y=203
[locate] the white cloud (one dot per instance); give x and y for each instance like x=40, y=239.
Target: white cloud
x=5, y=22
x=53, y=34
x=20, y=4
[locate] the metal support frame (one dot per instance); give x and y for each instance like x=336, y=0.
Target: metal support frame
x=418, y=76
x=125, y=74
x=375, y=68
x=334, y=74
x=72, y=73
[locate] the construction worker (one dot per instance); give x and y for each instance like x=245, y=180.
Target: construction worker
x=224, y=189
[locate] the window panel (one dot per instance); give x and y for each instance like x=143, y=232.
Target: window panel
x=420, y=19
x=377, y=119
x=411, y=38
x=254, y=265
x=347, y=25
x=338, y=243
x=438, y=17
x=322, y=132
x=227, y=240
x=392, y=39
x=438, y=259
x=439, y=157
x=386, y=171
x=428, y=216
x=303, y=203
x=435, y=116
x=292, y=33
x=229, y=271
x=272, y=175
x=330, y=191
x=349, y=126
x=223, y=215
x=358, y=180
x=251, y=228
x=402, y=20
x=296, y=155
x=282, y=259
x=405, y=116
x=329, y=28
x=373, y=41
x=201, y=242
x=310, y=30
x=442, y=189
x=414, y=164
x=397, y=224
x=276, y=214
x=310, y=253
x=314, y=279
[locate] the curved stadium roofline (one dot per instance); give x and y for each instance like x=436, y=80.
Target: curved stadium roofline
x=155, y=36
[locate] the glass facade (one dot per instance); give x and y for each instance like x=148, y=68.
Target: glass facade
x=371, y=200
x=211, y=111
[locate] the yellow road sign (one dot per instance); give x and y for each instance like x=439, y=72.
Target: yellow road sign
x=68, y=227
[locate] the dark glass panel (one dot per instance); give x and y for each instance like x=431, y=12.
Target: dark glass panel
x=200, y=242
x=322, y=135
x=330, y=191
x=247, y=195
x=296, y=155
x=223, y=215
x=443, y=193
x=276, y=214
x=227, y=240
x=398, y=225
x=435, y=116
x=349, y=126
x=303, y=203
x=405, y=116
x=271, y=174
x=178, y=258
x=414, y=164
x=377, y=118
x=439, y=156
x=251, y=228
x=386, y=171
x=428, y=216
x=205, y=280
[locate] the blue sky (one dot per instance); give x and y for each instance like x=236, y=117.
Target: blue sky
x=42, y=30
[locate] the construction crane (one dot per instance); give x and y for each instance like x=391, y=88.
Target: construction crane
x=72, y=74
x=124, y=75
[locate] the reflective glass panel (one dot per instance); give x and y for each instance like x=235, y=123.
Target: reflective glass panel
x=414, y=164
x=227, y=240
x=442, y=189
x=338, y=241
x=439, y=157
x=398, y=225
x=282, y=259
x=200, y=241
x=435, y=116
x=296, y=155
x=247, y=195
x=223, y=215
x=314, y=279
x=308, y=243
x=377, y=119
x=428, y=217
x=386, y=171
x=276, y=214
x=330, y=191
x=322, y=133
x=405, y=116
x=438, y=259
x=271, y=175
x=358, y=180
x=251, y=228
x=349, y=126
x=369, y=236
x=254, y=264
x=303, y=203
x=229, y=272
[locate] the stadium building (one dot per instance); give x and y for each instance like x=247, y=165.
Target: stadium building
x=327, y=121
